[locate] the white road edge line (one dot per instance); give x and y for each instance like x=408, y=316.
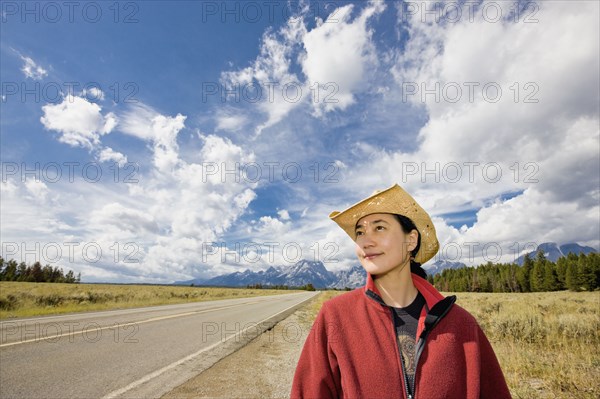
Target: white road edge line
x=155, y=374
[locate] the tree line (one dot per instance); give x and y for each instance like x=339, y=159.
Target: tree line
x=305, y=287
x=13, y=271
x=573, y=272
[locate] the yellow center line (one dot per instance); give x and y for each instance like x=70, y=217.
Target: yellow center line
x=73, y=333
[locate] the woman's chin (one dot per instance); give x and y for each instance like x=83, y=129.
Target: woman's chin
x=373, y=269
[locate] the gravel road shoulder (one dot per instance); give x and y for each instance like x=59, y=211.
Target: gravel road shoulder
x=262, y=369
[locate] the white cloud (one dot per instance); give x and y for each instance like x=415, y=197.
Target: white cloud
x=284, y=214
x=272, y=227
x=37, y=189
x=137, y=121
x=147, y=124
x=94, y=93
x=107, y=154
x=267, y=80
x=32, y=70
x=161, y=219
x=165, y=142
x=154, y=230
x=556, y=72
x=79, y=122
x=334, y=58
x=338, y=55
x=518, y=225
x=229, y=122
x=117, y=219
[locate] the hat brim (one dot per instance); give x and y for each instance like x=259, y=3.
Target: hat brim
x=396, y=201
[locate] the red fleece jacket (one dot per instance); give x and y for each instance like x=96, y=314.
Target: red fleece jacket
x=352, y=351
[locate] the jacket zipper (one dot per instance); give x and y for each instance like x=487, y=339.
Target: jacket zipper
x=421, y=347
x=418, y=355
x=406, y=386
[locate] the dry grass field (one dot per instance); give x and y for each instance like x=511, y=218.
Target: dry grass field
x=19, y=299
x=548, y=343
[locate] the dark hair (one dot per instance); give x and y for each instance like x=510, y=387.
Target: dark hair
x=408, y=226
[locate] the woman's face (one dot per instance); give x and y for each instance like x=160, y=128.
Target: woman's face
x=381, y=245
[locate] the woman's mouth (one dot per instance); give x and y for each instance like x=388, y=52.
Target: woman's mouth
x=371, y=256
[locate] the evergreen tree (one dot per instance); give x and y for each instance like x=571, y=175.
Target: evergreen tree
x=37, y=274
x=475, y=281
x=485, y=277
x=586, y=274
x=11, y=271
x=21, y=272
x=579, y=272
x=572, y=277
x=537, y=273
x=525, y=273
x=595, y=265
x=561, y=273
x=550, y=279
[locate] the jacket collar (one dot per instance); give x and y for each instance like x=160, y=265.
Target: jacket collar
x=431, y=295
x=436, y=305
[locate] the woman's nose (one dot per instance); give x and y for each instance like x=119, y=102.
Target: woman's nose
x=366, y=241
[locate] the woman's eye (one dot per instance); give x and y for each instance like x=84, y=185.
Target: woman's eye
x=380, y=228
x=359, y=233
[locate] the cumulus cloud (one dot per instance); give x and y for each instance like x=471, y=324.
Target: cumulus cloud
x=338, y=54
x=523, y=96
x=334, y=58
x=79, y=122
x=107, y=154
x=119, y=218
x=93, y=93
x=203, y=206
x=284, y=214
x=153, y=228
x=143, y=122
x=266, y=81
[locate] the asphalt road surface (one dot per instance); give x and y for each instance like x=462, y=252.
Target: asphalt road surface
x=142, y=352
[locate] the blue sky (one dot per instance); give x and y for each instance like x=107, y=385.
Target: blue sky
x=163, y=141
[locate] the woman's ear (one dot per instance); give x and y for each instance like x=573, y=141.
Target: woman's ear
x=411, y=239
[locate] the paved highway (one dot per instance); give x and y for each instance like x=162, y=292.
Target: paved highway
x=142, y=352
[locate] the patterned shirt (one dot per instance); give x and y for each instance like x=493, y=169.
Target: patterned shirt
x=406, y=322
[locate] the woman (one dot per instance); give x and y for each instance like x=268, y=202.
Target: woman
x=398, y=337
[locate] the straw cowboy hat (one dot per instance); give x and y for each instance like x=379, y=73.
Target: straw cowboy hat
x=392, y=200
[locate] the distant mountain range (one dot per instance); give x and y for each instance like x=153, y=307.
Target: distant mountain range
x=302, y=273
x=552, y=251
x=439, y=265
x=314, y=272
